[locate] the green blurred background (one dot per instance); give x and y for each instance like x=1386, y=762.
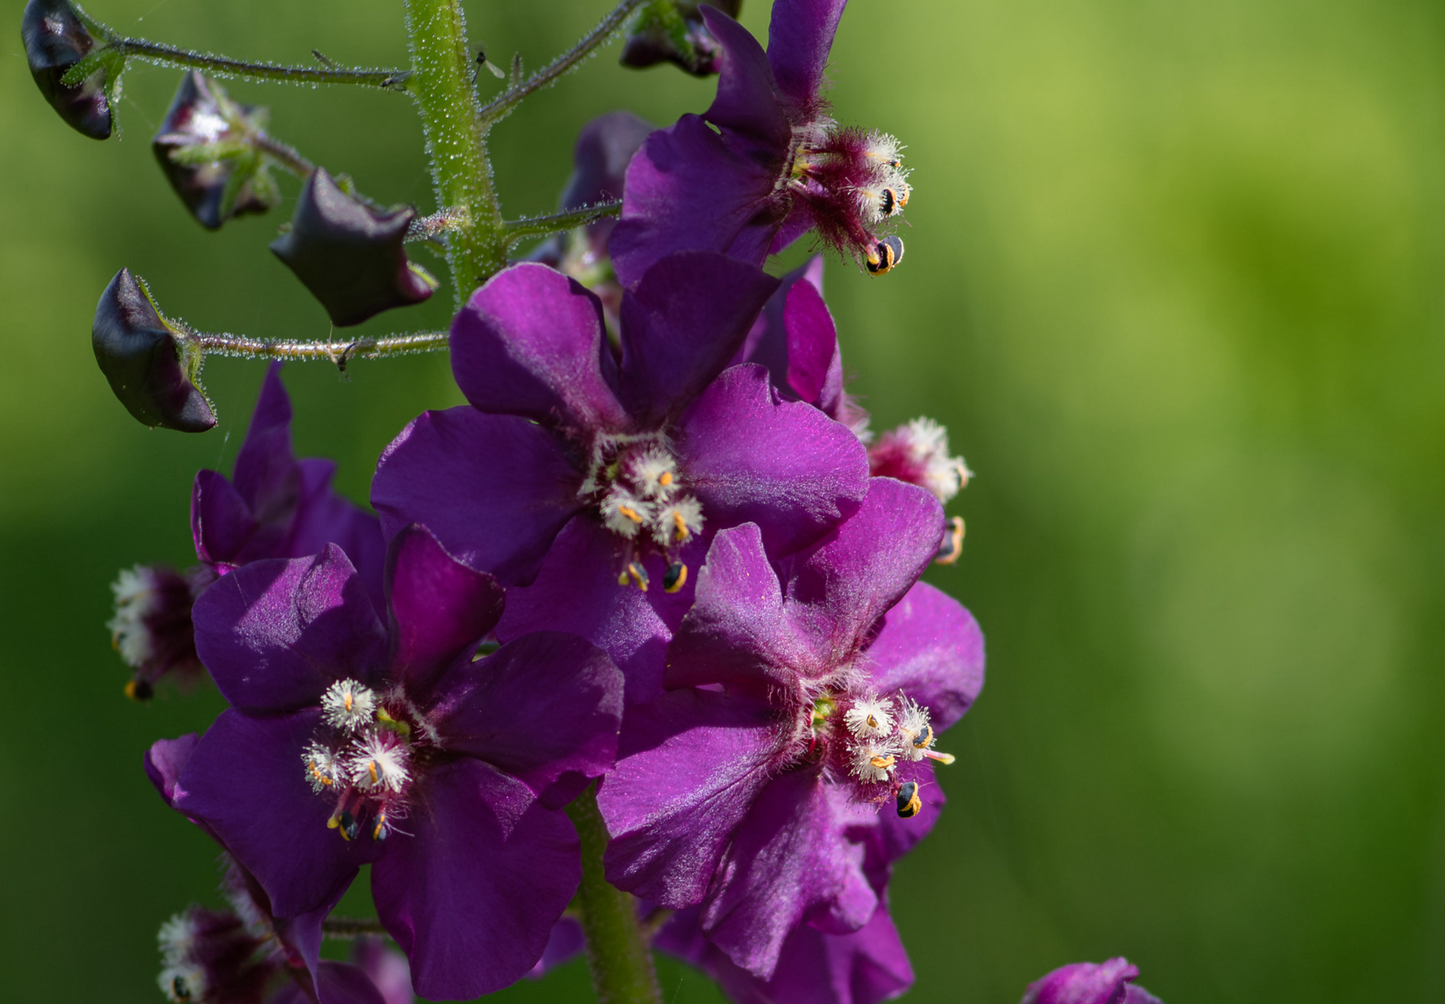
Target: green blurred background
x=1173, y=283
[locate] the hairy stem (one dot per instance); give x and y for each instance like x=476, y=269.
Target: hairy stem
x=501, y=106
x=617, y=952
x=222, y=66
x=336, y=351
x=284, y=154
x=541, y=226
x=441, y=82
x=350, y=927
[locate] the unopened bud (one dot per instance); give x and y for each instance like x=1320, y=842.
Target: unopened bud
x=674, y=32
x=56, y=37
x=153, y=367
x=206, y=147
x=349, y=255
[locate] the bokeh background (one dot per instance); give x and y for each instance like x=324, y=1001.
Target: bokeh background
x=1173, y=283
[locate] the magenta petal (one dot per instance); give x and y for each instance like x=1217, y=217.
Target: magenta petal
x=813, y=358
x=247, y=783
x=532, y=342
x=783, y=465
x=787, y=860
x=336, y=983
x=1089, y=983
x=800, y=36
x=688, y=190
x=494, y=489
x=472, y=894
x=438, y=607
x=164, y=763
x=737, y=632
x=865, y=967
x=276, y=633
x=682, y=323
x=841, y=586
x=577, y=591
x=690, y=766
x=747, y=99
x=930, y=648
x=565, y=943
x=221, y=522
x=540, y=707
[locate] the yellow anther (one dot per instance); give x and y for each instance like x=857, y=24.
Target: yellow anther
x=681, y=527
x=630, y=513
x=665, y=478
x=346, y=701
x=334, y=821
x=883, y=762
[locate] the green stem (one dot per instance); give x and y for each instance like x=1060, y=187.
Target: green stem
x=541, y=226
x=617, y=954
x=338, y=351
x=501, y=106
x=350, y=927
x=441, y=82
x=284, y=154
x=222, y=66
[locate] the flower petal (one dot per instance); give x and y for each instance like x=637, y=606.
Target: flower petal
x=688, y=190
x=788, y=860
x=865, y=967
x=1089, y=983
x=493, y=489
x=532, y=342
x=747, y=99
x=930, y=648
x=437, y=608
x=841, y=586
x=690, y=765
x=577, y=591
x=783, y=465
x=682, y=323
x=265, y=474
x=221, y=522
x=247, y=783
x=737, y=632
x=276, y=633
x=540, y=708
x=800, y=36
x=336, y=983
x=164, y=763
x=472, y=895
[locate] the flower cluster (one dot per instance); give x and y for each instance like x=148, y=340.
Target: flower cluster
x=637, y=640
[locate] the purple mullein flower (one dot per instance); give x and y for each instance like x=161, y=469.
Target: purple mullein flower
x=614, y=469
x=777, y=165
x=276, y=507
x=350, y=743
x=795, y=707
x=234, y=956
x=1110, y=982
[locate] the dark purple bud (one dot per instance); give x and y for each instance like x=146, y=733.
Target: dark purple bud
x=349, y=255
x=674, y=32
x=152, y=366
x=56, y=38
x=207, y=148
x=1086, y=983
x=213, y=955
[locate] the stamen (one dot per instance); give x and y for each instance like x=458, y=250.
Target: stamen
x=675, y=578
x=883, y=256
x=624, y=514
x=678, y=522
x=943, y=758
x=380, y=764
x=952, y=544
x=323, y=766
x=874, y=761
x=869, y=718
x=909, y=804
x=637, y=574
x=348, y=705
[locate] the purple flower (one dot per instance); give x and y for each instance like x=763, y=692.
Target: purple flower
x=277, y=507
x=234, y=956
x=1087, y=983
x=350, y=743
x=795, y=708
x=386, y=968
x=627, y=464
x=777, y=167
x=674, y=32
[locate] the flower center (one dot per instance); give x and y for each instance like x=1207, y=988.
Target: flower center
x=854, y=183
x=639, y=494
x=869, y=738
x=364, y=756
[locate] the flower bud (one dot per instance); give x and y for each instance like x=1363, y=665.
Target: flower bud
x=674, y=32
x=56, y=38
x=152, y=366
x=1086, y=983
x=151, y=627
x=349, y=255
x=206, y=147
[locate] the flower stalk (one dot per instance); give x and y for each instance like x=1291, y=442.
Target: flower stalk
x=553, y=223
x=223, y=66
x=617, y=951
x=338, y=351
